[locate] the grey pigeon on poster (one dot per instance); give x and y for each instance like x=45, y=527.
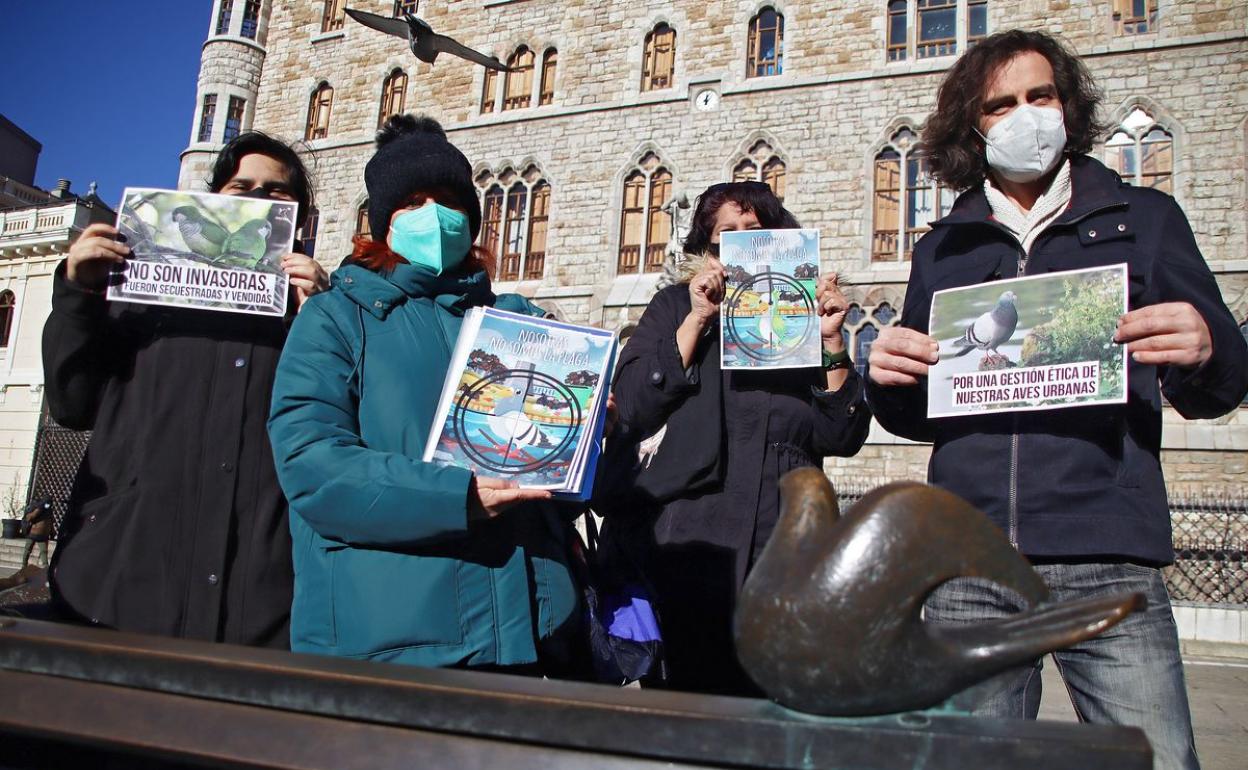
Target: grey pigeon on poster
x=423, y=41
x=992, y=328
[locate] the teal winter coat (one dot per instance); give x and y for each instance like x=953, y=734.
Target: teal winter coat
x=386, y=564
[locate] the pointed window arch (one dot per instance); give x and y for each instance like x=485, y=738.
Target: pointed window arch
x=645, y=227
x=319, y=108
x=489, y=91
x=206, y=117
x=514, y=225
x=905, y=198
x=333, y=14
x=393, y=96
x=745, y=171
x=765, y=45
x=362, y=227
x=761, y=163
x=1142, y=151
x=539, y=220
x=518, y=91
x=659, y=58
x=550, y=62
x=234, y=118
x=8, y=305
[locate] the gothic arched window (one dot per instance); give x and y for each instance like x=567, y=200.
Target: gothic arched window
x=319, y=107
x=1142, y=152
x=333, y=15
x=644, y=227
x=550, y=61
x=659, y=58
x=8, y=303
x=393, y=96
x=760, y=163
x=904, y=198
x=518, y=91
x=765, y=46
x=515, y=217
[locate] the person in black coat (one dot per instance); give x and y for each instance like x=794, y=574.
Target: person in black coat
x=176, y=523
x=1078, y=491
x=713, y=444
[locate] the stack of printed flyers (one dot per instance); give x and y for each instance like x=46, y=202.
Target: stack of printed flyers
x=525, y=400
x=769, y=318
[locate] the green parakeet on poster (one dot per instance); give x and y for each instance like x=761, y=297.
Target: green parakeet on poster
x=247, y=245
x=200, y=234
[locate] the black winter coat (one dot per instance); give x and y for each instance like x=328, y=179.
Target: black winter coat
x=1083, y=482
x=176, y=524
x=703, y=544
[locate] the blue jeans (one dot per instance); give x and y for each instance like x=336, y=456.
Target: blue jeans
x=1130, y=675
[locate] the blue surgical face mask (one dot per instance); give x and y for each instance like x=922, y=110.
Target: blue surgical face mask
x=433, y=236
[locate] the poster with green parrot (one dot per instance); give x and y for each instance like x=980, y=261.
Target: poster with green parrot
x=203, y=250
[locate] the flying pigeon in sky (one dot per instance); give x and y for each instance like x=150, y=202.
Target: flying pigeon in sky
x=423, y=41
x=992, y=328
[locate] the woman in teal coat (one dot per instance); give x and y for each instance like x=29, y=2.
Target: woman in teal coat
x=398, y=559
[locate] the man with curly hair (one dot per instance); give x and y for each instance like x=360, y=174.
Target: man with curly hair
x=1079, y=491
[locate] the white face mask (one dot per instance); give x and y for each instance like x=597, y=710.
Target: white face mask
x=1026, y=144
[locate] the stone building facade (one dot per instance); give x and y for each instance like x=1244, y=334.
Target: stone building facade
x=36, y=230
x=624, y=107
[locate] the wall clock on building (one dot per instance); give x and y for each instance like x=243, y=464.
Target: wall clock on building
x=706, y=100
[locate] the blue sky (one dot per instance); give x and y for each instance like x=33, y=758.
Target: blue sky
x=108, y=88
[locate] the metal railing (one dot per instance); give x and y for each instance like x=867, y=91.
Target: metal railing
x=1210, y=541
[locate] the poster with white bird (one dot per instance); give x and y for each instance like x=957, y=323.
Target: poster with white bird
x=203, y=250
x=525, y=401
x=1038, y=342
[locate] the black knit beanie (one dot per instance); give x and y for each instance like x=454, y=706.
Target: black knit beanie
x=414, y=154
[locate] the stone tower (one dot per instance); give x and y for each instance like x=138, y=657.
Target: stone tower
x=229, y=83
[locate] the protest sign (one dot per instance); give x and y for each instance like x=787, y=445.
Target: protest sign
x=769, y=318
x=1042, y=342
x=215, y=252
x=525, y=400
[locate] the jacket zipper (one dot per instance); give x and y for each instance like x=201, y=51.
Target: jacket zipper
x=1012, y=500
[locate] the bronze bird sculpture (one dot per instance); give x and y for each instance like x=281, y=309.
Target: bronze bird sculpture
x=423, y=41
x=829, y=619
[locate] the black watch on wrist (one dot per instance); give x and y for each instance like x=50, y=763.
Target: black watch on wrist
x=838, y=360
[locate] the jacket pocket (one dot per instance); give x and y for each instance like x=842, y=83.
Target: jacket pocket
x=384, y=600
x=312, y=609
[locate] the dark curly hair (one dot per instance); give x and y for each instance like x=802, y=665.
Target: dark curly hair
x=754, y=197
x=259, y=143
x=955, y=152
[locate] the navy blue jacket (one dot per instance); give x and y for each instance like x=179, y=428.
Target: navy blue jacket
x=1081, y=483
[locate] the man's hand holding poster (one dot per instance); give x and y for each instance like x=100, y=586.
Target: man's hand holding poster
x=216, y=252
x=1041, y=342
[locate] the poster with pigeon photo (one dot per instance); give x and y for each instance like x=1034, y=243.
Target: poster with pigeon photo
x=1042, y=342
x=769, y=318
x=202, y=250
